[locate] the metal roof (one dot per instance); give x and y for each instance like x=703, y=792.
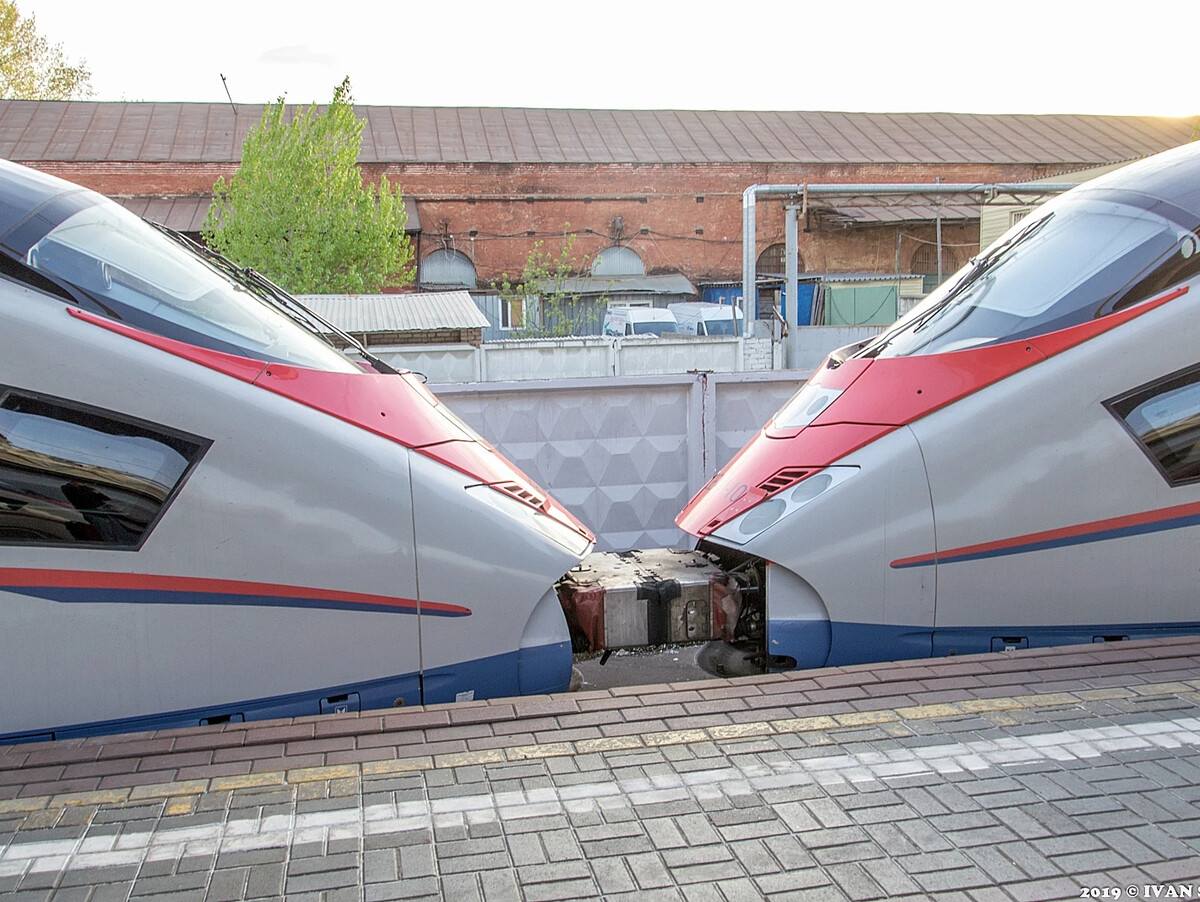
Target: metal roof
x=187, y=213
x=359, y=313
x=874, y=212
x=662, y=284
x=87, y=131
x=183, y=214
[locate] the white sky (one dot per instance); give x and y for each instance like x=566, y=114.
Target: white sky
x=970, y=56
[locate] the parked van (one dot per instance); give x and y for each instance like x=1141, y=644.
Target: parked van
x=638, y=321
x=701, y=318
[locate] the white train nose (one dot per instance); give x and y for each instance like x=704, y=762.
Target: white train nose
x=797, y=620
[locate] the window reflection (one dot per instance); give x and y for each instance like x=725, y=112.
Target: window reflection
x=71, y=475
x=1165, y=419
x=131, y=269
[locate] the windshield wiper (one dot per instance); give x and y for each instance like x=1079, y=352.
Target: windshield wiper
x=980, y=264
x=266, y=290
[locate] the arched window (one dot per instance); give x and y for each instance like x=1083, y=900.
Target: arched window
x=771, y=261
x=925, y=263
x=446, y=268
x=618, y=261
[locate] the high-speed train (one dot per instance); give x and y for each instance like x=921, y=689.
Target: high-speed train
x=1014, y=463
x=207, y=514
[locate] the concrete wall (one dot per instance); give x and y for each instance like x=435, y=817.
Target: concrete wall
x=598, y=357
x=809, y=345
x=574, y=358
x=624, y=454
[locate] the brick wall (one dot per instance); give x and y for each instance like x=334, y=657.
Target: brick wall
x=683, y=218
x=678, y=218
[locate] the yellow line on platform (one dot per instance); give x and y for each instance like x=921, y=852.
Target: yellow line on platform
x=182, y=797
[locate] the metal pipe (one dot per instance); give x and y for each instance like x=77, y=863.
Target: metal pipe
x=989, y=189
x=791, y=269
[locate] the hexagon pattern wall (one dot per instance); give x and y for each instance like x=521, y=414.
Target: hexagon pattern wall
x=623, y=455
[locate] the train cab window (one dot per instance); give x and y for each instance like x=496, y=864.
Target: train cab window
x=134, y=273
x=1076, y=259
x=1164, y=417
x=75, y=475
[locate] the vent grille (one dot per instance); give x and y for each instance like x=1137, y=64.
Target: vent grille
x=521, y=493
x=785, y=478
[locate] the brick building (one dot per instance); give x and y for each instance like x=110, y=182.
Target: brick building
x=484, y=185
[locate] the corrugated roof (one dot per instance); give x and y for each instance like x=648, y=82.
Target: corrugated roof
x=359, y=313
x=183, y=214
x=187, y=213
x=86, y=131
x=667, y=283
x=892, y=209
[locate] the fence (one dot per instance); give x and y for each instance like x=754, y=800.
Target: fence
x=603, y=357
x=567, y=358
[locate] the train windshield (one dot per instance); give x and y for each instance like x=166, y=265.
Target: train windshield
x=139, y=275
x=1066, y=264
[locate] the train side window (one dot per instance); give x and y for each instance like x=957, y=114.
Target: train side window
x=75, y=475
x=1164, y=417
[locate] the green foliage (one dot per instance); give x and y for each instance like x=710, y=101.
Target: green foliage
x=33, y=69
x=297, y=211
x=547, y=296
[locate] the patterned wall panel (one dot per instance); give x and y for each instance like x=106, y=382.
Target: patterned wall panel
x=622, y=454
x=743, y=406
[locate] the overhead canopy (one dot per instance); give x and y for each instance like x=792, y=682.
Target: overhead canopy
x=187, y=213
x=663, y=284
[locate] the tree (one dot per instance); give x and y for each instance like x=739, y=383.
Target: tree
x=297, y=211
x=33, y=69
x=548, y=298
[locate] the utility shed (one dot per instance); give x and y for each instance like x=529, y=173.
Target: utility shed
x=649, y=291
x=865, y=299
x=446, y=317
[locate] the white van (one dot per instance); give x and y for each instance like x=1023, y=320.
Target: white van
x=638, y=321
x=701, y=318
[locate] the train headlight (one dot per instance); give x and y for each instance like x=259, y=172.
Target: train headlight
x=765, y=514
x=805, y=406
x=761, y=517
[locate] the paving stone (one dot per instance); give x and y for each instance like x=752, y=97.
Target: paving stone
x=855, y=881
x=561, y=891
x=158, y=886
x=322, y=881
x=805, y=879
x=648, y=871
x=974, y=796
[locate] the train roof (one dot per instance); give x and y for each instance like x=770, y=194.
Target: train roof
x=23, y=190
x=1172, y=177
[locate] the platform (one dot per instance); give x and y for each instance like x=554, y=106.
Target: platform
x=1033, y=774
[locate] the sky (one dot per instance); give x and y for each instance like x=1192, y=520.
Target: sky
x=986, y=56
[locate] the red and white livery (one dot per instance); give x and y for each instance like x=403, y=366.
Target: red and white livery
x=209, y=514
x=1014, y=463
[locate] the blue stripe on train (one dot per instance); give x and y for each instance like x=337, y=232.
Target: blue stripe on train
x=864, y=643
x=528, y=671
x=99, y=595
